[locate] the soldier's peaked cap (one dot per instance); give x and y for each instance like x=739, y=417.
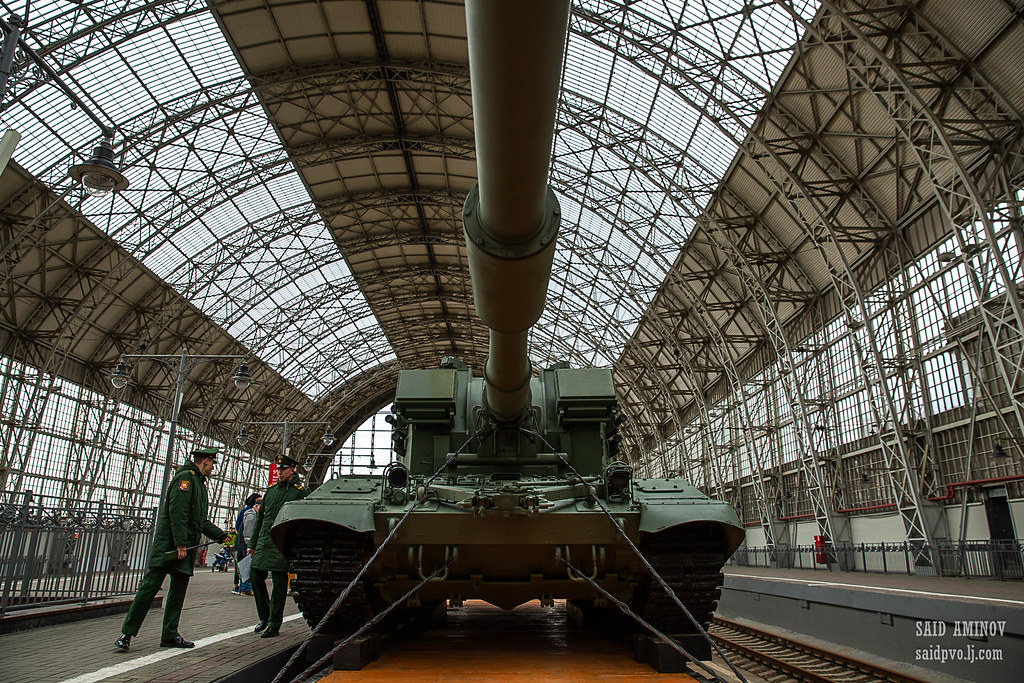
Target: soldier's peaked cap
x=206, y=452
x=286, y=461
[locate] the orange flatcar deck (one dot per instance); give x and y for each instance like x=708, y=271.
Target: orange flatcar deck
x=482, y=642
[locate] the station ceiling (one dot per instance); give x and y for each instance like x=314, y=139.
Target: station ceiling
x=732, y=175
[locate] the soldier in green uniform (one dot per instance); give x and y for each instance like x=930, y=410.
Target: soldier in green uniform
x=181, y=521
x=266, y=558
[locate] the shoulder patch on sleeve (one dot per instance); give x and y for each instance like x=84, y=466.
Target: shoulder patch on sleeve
x=183, y=485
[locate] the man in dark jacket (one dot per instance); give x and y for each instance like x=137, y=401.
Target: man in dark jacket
x=266, y=558
x=181, y=521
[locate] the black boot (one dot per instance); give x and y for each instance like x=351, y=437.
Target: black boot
x=260, y=626
x=177, y=642
x=123, y=641
x=271, y=632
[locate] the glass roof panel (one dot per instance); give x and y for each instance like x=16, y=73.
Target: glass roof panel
x=657, y=97
x=196, y=180
x=637, y=150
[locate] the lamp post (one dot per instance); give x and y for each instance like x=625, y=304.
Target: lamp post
x=310, y=465
x=184, y=362
x=328, y=438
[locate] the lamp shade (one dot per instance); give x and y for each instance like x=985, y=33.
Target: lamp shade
x=99, y=176
x=119, y=377
x=242, y=378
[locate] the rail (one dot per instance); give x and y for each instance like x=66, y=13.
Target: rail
x=1002, y=560
x=798, y=661
x=55, y=552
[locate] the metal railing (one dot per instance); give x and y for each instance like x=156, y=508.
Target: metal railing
x=1002, y=560
x=65, y=552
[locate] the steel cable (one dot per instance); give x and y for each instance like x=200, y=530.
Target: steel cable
x=359, y=575
x=369, y=624
x=668, y=590
x=647, y=625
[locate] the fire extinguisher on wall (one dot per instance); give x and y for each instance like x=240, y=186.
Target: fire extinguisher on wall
x=819, y=550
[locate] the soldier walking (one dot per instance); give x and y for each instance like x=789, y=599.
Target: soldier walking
x=181, y=521
x=266, y=558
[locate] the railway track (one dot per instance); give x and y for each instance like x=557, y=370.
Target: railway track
x=775, y=658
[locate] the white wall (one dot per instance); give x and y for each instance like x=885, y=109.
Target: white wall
x=1017, y=514
x=977, y=523
x=887, y=528
x=805, y=532
x=800, y=533
x=755, y=536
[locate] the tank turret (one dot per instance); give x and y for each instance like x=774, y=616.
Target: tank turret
x=514, y=473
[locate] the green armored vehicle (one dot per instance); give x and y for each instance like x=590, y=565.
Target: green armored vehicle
x=525, y=461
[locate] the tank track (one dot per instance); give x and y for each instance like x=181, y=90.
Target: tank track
x=690, y=561
x=325, y=558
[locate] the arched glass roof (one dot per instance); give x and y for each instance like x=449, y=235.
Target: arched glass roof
x=792, y=228
x=227, y=200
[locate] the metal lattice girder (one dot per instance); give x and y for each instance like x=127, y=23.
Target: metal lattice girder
x=87, y=281
x=954, y=141
x=868, y=233
x=637, y=367
x=852, y=289
x=801, y=296
x=733, y=178
x=964, y=133
x=68, y=39
x=57, y=259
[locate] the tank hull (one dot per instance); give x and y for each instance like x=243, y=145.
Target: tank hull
x=506, y=545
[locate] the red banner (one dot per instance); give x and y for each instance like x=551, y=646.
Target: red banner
x=273, y=474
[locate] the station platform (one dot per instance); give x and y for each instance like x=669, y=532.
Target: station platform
x=480, y=642
x=969, y=629
x=896, y=617
x=83, y=651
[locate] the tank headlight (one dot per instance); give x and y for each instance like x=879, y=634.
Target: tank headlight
x=617, y=481
x=397, y=476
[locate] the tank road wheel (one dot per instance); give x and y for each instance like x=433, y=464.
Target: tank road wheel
x=325, y=558
x=690, y=560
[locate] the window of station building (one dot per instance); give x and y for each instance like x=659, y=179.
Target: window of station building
x=63, y=443
x=367, y=451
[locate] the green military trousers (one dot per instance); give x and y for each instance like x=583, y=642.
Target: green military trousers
x=270, y=609
x=151, y=583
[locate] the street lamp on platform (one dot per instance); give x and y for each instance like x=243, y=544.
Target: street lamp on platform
x=328, y=437
x=184, y=363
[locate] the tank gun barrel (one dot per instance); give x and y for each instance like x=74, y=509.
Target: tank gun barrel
x=511, y=216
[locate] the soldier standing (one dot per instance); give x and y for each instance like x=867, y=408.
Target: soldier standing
x=266, y=558
x=181, y=521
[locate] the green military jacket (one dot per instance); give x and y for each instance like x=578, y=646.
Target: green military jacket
x=266, y=556
x=183, y=519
